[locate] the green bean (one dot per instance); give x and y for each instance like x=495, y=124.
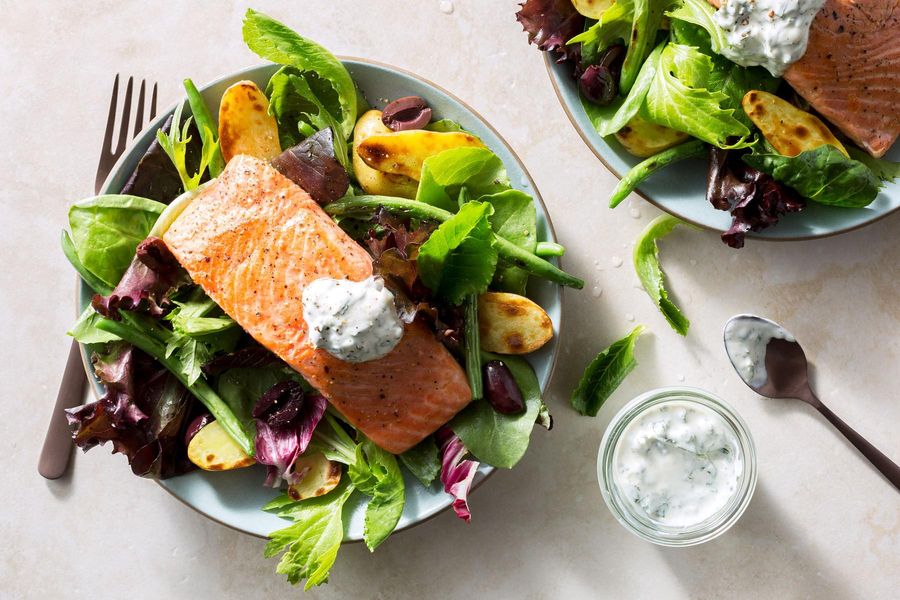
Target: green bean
x=472, y=347
x=203, y=118
x=545, y=249
x=366, y=205
x=648, y=167
x=136, y=336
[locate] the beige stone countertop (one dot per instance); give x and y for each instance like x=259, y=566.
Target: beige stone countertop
x=823, y=523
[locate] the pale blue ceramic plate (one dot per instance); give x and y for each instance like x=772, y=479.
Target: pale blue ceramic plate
x=234, y=498
x=681, y=189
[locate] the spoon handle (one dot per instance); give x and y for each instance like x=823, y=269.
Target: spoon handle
x=888, y=468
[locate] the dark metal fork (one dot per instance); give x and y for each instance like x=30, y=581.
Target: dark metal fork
x=57, y=450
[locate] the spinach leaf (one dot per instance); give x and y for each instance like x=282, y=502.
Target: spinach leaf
x=604, y=374
x=479, y=170
x=650, y=274
x=459, y=258
x=514, y=219
x=884, y=169
x=423, y=461
x=106, y=231
x=92, y=281
x=823, y=175
x=276, y=42
x=496, y=439
x=377, y=474
x=311, y=544
x=681, y=96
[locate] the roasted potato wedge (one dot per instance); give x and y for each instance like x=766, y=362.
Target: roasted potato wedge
x=372, y=180
x=789, y=129
x=592, y=9
x=512, y=324
x=320, y=476
x=642, y=138
x=245, y=125
x=403, y=152
x=212, y=449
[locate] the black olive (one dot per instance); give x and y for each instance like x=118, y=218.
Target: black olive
x=409, y=112
x=500, y=389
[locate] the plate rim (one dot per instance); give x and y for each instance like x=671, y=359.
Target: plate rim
x=535, y=192
x=554, y=81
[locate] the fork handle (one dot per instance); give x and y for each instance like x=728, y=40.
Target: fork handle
x=879, y=460
x=57, y=450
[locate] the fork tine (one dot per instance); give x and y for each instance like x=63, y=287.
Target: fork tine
x=139, y=117
x=111, y=119
x=126, y=116
x=153, y=104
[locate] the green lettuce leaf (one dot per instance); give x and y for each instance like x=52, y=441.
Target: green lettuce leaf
x=276, y=42
x=884, y=169
x=444, y=126
x=604, y=374
x=650, y=274
x=614, y=25
x=493, y=438
x=375, y=472
x=85, y=329
x=823, y=175
x=300, y=113
x=514, y=219
x=701, y=13
x=240, y=388
x=106, y=231
x=648, y=15
x=423, y=460
x=611, y=118
x=682, y=96
x=311, y=544
x=479, y=170
x=459, y=257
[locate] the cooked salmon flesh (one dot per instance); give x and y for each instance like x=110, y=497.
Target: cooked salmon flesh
x=851, y=70
x=253, y=240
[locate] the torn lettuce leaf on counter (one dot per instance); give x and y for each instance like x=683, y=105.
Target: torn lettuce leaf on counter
x=604, y=374
x=650, y=274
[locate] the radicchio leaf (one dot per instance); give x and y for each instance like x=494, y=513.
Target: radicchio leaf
x=456, y=473
x=142, y=413
x=755, y=200
x=154, y=274
x=285, y=420
x=550, y=23
x=311, y=165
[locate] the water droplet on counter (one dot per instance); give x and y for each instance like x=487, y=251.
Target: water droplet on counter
x=629, y=317
x=446, y=7
x=616, y=261
x=679, y=377
x=597, y=292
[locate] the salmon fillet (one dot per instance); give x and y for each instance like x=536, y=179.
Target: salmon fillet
x=851, y=70
x=253, y=240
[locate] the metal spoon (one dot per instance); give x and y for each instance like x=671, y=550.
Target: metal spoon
x=786, y=376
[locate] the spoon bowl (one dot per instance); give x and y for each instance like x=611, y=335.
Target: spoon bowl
x=772, y=363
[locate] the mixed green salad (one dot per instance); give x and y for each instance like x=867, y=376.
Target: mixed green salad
x=187, y=387
x=652, y=75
